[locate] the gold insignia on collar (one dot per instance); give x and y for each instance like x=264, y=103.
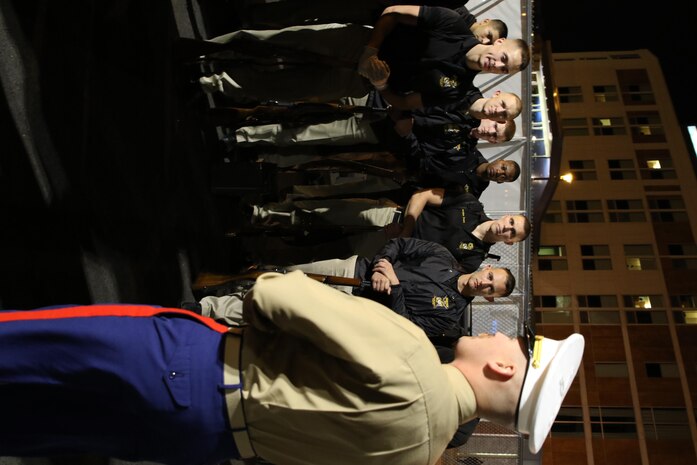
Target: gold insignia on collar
x=440, y=302
x=466, y=246
x=448, y=82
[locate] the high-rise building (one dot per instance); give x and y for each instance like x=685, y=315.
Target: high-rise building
x=616, y=260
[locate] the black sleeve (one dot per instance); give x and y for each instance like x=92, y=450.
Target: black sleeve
x=463, y=433
x=441, y=21
x=470, y=260
x=408, y=248
x=396, y=301
x=460, y=199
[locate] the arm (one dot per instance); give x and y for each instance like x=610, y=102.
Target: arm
x=347, y=327
x=376, y=70
x=416, y=205
x=408, y=248
x=401, y=102
x=384, y=276
x=391, y=16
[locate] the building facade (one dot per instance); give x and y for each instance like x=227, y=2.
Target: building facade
x=617, y=262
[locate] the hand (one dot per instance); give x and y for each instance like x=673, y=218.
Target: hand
x=403, y=127
x=366, y=56
x=372, y=67
x=381, y=283
x=384, y=267
x=392, y=230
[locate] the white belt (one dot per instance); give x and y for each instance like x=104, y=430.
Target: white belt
x=233, y=394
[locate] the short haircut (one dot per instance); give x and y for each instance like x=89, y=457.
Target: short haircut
x=500, y=27
x=526, y=226
x=509, y=132
x=516, y=170
x=519, y=102
x=524, y=53
x=510, y=282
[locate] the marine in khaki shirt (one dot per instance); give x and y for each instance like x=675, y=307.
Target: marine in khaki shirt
x=318, y=377
x=332, y=378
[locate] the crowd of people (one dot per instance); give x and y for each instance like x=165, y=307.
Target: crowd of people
x=290, y=370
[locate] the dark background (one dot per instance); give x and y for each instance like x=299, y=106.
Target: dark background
x=664, y=28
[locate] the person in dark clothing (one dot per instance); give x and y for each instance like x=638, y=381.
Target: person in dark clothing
x=435, y=63
x=466, y=170
x=419, y=280
x=448, y=133
x=458, y=222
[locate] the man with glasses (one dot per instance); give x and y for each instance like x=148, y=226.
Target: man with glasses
x=316, y=377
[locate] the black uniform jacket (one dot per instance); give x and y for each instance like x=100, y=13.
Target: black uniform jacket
x=427, y=291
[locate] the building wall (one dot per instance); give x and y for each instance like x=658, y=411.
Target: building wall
x=617, y=262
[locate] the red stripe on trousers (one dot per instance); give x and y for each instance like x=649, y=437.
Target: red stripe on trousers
x=88, y=311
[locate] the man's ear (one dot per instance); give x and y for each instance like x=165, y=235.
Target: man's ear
x=500, y=40
x=504, y=370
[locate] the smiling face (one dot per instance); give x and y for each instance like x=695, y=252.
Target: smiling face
x=502, y=57
x=487, y=282
x=508, y=229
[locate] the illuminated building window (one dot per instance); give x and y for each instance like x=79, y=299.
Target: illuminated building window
x=646, y=127
x=608, y=126
x=639, y=257
x=655, y=164
x=603, y=94
x=688, y=308
x=551, y=258
x=643, y=301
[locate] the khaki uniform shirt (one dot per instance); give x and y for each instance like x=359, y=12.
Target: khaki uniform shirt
x=335, y=379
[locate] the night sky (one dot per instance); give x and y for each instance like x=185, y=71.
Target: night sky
x=580, y=26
